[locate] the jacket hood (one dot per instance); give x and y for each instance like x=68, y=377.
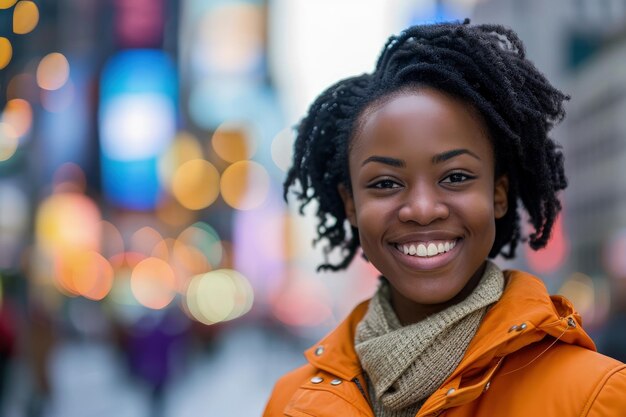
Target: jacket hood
x=525, y=314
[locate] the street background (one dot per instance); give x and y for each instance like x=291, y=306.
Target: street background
x=149, y=266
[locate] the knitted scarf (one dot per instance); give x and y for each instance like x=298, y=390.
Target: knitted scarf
x=405, y=365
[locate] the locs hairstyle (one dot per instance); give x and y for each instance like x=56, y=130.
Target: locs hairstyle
x=483, y=65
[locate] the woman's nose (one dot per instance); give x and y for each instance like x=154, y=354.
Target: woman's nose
x=423, y=206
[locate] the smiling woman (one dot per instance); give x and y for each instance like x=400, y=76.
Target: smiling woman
x=421, y=165
x=422, y=175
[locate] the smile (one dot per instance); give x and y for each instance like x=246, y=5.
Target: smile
x=427, y=249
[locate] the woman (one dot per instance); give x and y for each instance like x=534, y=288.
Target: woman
x=426, y=158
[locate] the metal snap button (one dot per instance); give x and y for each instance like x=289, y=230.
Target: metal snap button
x=450, y=391
x=319, y=351
x=571, y=322
x=513, y=327
x=521, y=327
x=317, y=379
x=487, y=385
x=336, y=382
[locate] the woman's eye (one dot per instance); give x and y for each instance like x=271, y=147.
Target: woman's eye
x=385, y=184
x=456, y=178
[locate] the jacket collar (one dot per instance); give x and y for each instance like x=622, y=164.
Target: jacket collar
x=524, y=314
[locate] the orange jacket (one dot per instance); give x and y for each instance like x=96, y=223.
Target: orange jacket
x=529, y=357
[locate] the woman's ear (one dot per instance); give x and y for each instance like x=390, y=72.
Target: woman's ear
x=348, y=203
x=500, y=196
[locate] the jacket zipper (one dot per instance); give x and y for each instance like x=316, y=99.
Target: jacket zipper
x=360, y=387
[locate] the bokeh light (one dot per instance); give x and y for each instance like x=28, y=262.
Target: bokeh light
x=18, y=113
x=550, y=258
x=579, y=289
x=233, y=142
x=25, y=17
x=153, y=283
x=282, y=148
x=144, y=240
x=53, y=71
x=219, y=296
x=85, y=273
x=6, y=52
x=245, y=185
x=5, y=4
x=8, y=141
x=203, y=237
x=196, y=184
x=172, y=213
x=230, y=39
x=188, y=261
x=68, y=222
x=303, y=301
x=185, y=147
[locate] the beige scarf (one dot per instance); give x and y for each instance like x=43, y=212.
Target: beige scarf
x=405, y=365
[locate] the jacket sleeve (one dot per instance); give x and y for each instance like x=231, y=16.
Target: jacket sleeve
x=609, y=400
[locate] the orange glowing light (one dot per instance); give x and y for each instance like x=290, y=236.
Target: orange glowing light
x=580, y=290
x=25, y=17
x=86, y=273
x=172, y=213
x=189, y=259
x=68, y=222
x=5, y=4
x=53, y=71
x=9, y=141
x=6, y=52
x=185, y=147
x=19, y=114
x=245, y=185
x=233, y=142
x=196, y=184
x=153, y=283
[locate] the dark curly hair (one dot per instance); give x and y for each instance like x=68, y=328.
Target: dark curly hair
x=483, y=65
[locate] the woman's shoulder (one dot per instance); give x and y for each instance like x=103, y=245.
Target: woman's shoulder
x=566, y=378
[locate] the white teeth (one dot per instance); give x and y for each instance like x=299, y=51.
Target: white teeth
x=423, y=251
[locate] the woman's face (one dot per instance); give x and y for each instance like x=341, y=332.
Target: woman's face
x=424, y=198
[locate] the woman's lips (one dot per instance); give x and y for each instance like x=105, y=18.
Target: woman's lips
x=426, y=249
x=427, y=262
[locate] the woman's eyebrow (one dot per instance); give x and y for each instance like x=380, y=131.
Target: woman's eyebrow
x=394, y=162
x=442, y=157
